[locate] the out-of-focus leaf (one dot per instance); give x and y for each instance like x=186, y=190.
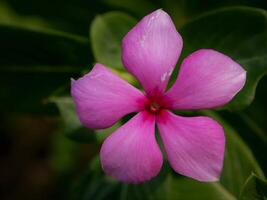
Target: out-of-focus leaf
x=254, y=189
x=64, y=153
x=93, y=185
x=240, y=33
x=34, y=62
x=106, y=33
x=39, y=46
x=65, y=159
x=182, y=11
x=73, y=128
x=138, y=7
x=188, y=189
x=74, y=16
x=9, y=17
x=239, y=164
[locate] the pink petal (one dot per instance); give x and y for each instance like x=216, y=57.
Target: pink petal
x=131, y=154
x=207, y=79
x=151, y=49
x=102, y=97
x=194, y=145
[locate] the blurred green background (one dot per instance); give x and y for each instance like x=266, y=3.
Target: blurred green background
x=45, y=151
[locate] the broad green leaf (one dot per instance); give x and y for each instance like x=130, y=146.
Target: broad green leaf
x=106, y=33
x=73, y=128
x=35, y=62
x=239, y=32
x=254, y=189
x=239, y=164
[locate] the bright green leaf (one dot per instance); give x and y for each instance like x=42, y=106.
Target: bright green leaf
x=106, y=34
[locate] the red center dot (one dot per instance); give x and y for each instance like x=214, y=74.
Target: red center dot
x=153, y=107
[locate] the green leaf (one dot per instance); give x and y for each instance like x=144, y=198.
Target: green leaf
x=73, y=128
x=64, y=153
x=255, y=188
x=106, y=34
x=188, y=189
x=35, y=62
x=239, y=32
x=75, y=16
x=8, y=16
x=239, y=161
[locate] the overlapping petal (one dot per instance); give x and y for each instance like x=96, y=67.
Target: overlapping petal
x=194, y=145
x=102, y=97
x=131, y=154
x=150, y=51
x=206, y=79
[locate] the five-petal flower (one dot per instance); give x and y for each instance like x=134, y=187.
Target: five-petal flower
x=206, y=79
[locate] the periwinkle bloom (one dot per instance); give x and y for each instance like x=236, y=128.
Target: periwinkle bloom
x=194, y=145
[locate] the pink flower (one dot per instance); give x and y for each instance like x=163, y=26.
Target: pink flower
x=194, y=145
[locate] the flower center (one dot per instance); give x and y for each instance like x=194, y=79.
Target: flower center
x=153, y=107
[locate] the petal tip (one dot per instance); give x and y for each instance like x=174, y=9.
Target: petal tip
x=72, y=81
x=159, y=11
x=209, y=179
